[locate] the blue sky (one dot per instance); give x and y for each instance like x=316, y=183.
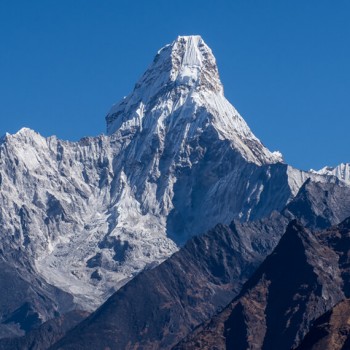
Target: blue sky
x=284, y=65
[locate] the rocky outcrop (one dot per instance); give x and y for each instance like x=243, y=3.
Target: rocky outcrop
x=331, y=331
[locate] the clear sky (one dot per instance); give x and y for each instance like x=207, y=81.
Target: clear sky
x=285, y=65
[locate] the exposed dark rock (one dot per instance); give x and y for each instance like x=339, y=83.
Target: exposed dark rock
x=331, y=331
x=95, y=261
x=96, y=275
x=319, y=205
x=25, y=316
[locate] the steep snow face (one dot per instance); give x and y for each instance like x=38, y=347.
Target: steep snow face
x=178, y=159
x=342, y=172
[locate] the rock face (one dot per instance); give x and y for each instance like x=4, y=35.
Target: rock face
x=52, y=202
x=331, y=331
x=178, y=159
x=319, y=205
x=306, y=275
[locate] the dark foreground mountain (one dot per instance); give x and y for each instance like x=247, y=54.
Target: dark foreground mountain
x=306, y=275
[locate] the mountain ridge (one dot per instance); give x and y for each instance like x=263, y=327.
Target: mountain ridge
x=297, y=282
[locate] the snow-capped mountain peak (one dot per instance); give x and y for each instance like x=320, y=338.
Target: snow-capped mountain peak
x=181, y=89
x=176, y=71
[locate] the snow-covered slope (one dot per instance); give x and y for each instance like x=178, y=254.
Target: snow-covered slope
x=342, y=172
x=177, y=160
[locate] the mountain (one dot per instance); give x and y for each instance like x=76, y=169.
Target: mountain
x=192, y=285
x=306, y=275
x=178, y=159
